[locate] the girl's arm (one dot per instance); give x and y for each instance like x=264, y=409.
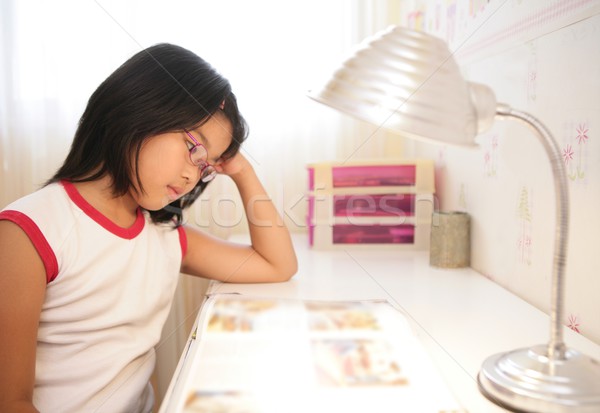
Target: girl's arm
x=22, y=289
x=269, y=258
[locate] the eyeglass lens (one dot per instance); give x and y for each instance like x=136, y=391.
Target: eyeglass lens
x=198, y=155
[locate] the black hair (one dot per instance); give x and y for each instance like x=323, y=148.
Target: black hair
x=164, y=88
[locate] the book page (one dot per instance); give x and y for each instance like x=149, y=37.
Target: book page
x=262, y=355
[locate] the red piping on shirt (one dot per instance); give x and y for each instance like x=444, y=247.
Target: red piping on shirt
x=182, y=240
x=127, y=233
x=37, y=239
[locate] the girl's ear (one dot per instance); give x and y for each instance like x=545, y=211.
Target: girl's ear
x=222, y=105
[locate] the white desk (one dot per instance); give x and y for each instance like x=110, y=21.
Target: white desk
x=460, y=316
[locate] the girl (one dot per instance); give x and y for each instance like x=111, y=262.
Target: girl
x=89, y=263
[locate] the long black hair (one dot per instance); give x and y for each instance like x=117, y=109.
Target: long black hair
x=163, y=88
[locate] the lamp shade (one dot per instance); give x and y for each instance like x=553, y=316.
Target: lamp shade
x=408, y=81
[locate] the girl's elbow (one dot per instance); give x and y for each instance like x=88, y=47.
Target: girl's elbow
x=292, y=271
x=288, y=271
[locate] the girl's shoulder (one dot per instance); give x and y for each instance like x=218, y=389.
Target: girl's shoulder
x=50, y=203
x=50, y=193
x=46, y=216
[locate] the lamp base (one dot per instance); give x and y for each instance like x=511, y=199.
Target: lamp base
x=526, y=380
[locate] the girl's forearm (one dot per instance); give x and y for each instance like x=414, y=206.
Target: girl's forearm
x=268, y=233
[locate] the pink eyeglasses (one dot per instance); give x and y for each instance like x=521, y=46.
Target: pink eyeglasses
x=199, y=157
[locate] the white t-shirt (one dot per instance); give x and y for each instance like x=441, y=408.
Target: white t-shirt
x=109, y=292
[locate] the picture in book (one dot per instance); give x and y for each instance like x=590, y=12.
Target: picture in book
x=260, y=355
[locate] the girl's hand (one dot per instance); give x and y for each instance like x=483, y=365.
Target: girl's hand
x=233, y=166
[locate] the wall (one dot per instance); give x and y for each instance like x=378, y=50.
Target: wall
x=542, y=57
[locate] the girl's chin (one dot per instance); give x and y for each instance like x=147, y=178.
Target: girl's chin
x=157, y=206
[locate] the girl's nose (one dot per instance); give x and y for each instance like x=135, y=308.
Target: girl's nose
x=191, y=173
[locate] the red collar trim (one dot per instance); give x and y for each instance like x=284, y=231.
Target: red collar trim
x=93, y=213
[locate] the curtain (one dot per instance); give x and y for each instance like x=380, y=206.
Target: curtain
x=54, y=54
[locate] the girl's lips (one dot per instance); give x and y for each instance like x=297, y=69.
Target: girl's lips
x=173, y=193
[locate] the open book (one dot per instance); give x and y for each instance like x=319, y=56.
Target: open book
x=261, y=355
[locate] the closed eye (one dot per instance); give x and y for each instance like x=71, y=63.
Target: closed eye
x=190, y=145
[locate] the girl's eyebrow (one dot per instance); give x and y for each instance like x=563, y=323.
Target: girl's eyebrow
x=202, y=138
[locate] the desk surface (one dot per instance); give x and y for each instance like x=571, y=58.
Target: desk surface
x=460, y=316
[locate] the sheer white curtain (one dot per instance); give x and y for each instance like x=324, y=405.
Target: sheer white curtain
x=54, y=54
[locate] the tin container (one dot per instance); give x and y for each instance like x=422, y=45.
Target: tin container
x=450, y=244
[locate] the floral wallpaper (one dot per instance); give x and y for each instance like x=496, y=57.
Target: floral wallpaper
x=541, y=57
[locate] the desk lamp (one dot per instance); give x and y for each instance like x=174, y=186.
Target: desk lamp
x=407, y=81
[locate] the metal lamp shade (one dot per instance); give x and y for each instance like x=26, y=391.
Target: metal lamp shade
x=408, y=81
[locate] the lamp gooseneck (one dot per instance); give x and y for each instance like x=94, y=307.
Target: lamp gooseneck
x=556, y=346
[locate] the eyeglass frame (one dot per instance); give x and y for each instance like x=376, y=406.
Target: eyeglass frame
x=212, y=172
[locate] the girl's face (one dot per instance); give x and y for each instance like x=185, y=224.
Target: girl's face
x=165, y=169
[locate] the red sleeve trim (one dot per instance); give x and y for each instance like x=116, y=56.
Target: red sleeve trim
x=182, y=240
x=37, y=239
